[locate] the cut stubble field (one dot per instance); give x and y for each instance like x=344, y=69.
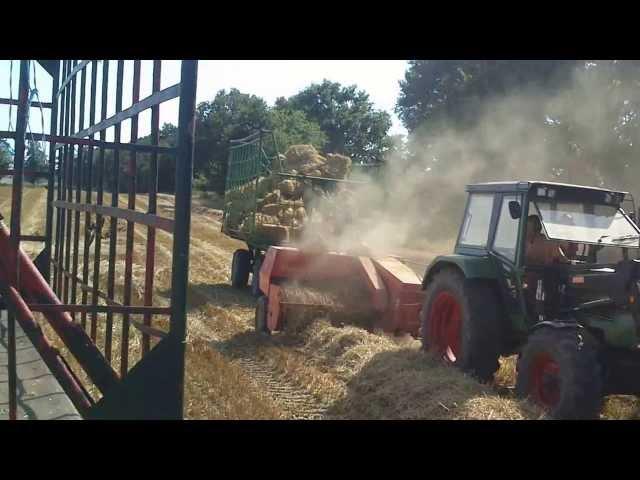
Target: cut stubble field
x=318, y=371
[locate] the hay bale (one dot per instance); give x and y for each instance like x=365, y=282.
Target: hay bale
x=272, y=197
x=272, y=209
x=290, y=188
x=292, y=203
x=303, y=159
x=278, y=233
x=298, y=155
x=338, y=166
x=286, y=216
x=314, y=165
x=300, y=214
x=287, y=187
x=289, y=202
x=267, y=219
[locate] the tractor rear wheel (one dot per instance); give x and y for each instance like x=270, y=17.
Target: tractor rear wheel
x=461, y=322
x=559, y=370
x=240, y=268
x=261, y=316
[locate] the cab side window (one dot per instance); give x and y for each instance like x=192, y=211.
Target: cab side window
x=477, y=220
x=506, y=238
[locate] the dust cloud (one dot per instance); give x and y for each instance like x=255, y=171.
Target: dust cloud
x=416, y=202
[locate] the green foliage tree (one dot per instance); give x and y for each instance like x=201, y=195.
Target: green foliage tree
x=457, y=90
x=168, y=137
x=229, y=116
x=36, y=161
x=352, y=125
x=5, y=155
x=292, y=127
x=358, y=130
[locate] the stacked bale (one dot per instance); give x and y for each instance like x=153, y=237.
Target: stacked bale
x=338, y=166
x=284, y=204
x=305, y=160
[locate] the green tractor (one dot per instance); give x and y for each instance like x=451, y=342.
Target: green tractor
x=574, y=321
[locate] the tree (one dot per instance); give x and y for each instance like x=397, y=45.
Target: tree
x=571, y=121
x=474, y=102
x=168, y=137
x=5, y=155
x=292, y=127
x=348, y=118
x=36, y=161
x=457, y=90
x=229, y=116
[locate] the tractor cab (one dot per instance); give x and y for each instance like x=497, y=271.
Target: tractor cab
x=591, y=248
x=559, y=250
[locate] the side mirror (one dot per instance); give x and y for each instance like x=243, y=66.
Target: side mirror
x=515, y=210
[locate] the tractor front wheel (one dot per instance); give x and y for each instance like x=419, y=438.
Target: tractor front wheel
x=559, y=370
x=240, y=268
x=461, y=323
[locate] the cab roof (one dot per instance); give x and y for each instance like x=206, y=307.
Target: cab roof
x=525, y=185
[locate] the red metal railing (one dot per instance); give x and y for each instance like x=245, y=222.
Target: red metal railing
x=152, y=386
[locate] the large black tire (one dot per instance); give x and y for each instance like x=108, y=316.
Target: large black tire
x=261, y=316
x=240, y=268
x=560, y=370
x=461, y=321
x=255, y=278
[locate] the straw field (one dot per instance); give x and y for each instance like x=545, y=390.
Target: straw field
x=319, y=371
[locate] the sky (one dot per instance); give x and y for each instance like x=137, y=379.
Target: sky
x=268, y=79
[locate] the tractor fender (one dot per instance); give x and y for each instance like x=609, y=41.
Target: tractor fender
x=471, y=267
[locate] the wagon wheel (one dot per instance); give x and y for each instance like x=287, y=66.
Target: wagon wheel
x=240, y=268
x=261, y=316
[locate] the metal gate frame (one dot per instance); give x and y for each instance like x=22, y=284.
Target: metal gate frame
x=153, y=388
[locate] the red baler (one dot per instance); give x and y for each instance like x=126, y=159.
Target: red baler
x=385, y=289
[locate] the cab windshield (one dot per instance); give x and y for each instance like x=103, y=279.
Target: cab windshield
x=587, y=223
